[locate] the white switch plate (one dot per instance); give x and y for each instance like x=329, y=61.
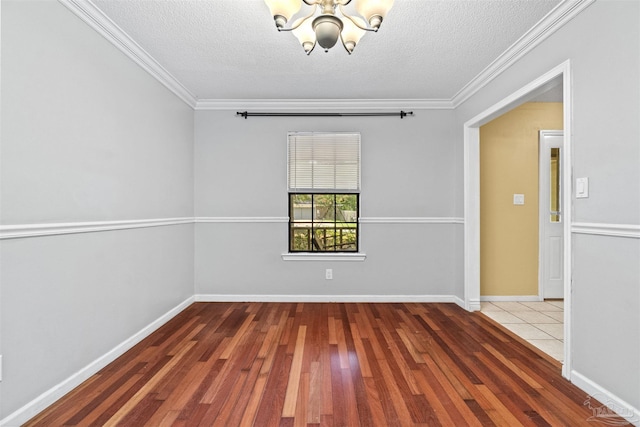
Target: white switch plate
x=582, y=188
x=0, y=367
x=518, y=199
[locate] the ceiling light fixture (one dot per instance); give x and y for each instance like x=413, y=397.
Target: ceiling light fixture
x=332, y=23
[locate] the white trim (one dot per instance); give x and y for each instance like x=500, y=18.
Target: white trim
x=323, y=104
x=411, y=220
x=53, y=229
x=50, y=396
x=604, y=396
x=514, y=298
x=241, y=219
x=16, y=231
x=306, y=256
x=102, y=24
x=554, y=20
x=472, y=191
x=602, y=229
x=327, y=298
x=472, y=304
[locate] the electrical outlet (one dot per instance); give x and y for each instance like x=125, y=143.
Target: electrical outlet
x=0, y=367
x=328, y=274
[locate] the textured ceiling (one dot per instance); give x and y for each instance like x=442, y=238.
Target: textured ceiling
x=230, y=49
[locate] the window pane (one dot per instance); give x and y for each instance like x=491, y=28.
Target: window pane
x=324, y=207
x=346, y=237
x=346, y=207
x=554, y=201
x=324, y=237
x=301, y=237
x=301, y=207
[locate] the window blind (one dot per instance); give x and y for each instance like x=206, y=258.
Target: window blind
x=320, y=162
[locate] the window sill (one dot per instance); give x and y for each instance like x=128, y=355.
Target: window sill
x=304, y=256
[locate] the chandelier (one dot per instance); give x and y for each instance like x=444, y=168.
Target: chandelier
x=331, y=23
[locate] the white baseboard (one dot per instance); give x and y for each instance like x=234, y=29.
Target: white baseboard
x=474, y=305
x=515, y=298
x=50, y=396
x=459, y=301
x=327, y=298
x=608, y=399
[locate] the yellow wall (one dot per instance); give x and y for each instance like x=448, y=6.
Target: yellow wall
x=508, y=166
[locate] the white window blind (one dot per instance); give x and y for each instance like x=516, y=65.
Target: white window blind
x=324, y=162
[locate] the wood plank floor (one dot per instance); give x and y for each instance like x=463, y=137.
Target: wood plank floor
x=281, y=364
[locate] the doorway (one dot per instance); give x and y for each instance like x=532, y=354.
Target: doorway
x=472, y=192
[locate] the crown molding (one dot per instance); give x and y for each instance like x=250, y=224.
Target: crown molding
x=553, y=21
x=96, y=19
x=323, y=104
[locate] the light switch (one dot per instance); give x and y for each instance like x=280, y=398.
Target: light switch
x=582, y=188
x=518, y=199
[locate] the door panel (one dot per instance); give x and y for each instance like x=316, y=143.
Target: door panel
x=551, y=215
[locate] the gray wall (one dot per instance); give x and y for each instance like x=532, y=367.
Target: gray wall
x=87, y=135
x=603, y=44
x=240, y=171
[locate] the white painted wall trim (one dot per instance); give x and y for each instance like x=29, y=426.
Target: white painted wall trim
x=553, y=21
x=49, y=397
x=17, y=231
x=97, y=20
x=603, y=229
x=411, y=220
x=53, y=229
x=306, y=256
x=328, y=298
x=362, y=220
x=241, y=219
x=607, y=398
x=515, y=298
x=323, y=104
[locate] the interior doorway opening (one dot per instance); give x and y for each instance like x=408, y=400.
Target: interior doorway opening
x=552, y=79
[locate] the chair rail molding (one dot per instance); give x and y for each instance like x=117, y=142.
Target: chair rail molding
x=52, y=229
x=604, y=229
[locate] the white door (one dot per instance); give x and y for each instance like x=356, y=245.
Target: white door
x=551, y=215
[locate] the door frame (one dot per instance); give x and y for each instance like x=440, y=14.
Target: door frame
x=472, y=191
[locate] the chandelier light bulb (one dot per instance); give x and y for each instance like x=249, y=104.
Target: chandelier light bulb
x=325, y=21
x=374, y=11
x=283, y=10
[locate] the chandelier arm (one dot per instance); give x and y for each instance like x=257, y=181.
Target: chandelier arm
x=355, y=22
x=344, y=45
x=311, y=2
x=341, y=2
x=300, y=21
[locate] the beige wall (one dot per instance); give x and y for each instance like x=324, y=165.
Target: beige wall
x=508, y=166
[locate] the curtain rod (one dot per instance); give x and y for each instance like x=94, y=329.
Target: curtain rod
x=401, y=114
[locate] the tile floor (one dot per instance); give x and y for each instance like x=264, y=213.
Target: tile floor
x=541, y=323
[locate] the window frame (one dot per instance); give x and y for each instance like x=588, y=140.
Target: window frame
x=312, y=221
x=300, y=189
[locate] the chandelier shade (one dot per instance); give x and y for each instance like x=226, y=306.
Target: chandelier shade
x=324, y=22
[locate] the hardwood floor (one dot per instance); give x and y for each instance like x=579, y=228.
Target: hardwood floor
x=280, y=364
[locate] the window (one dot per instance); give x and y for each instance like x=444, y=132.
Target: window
x=324, y=186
